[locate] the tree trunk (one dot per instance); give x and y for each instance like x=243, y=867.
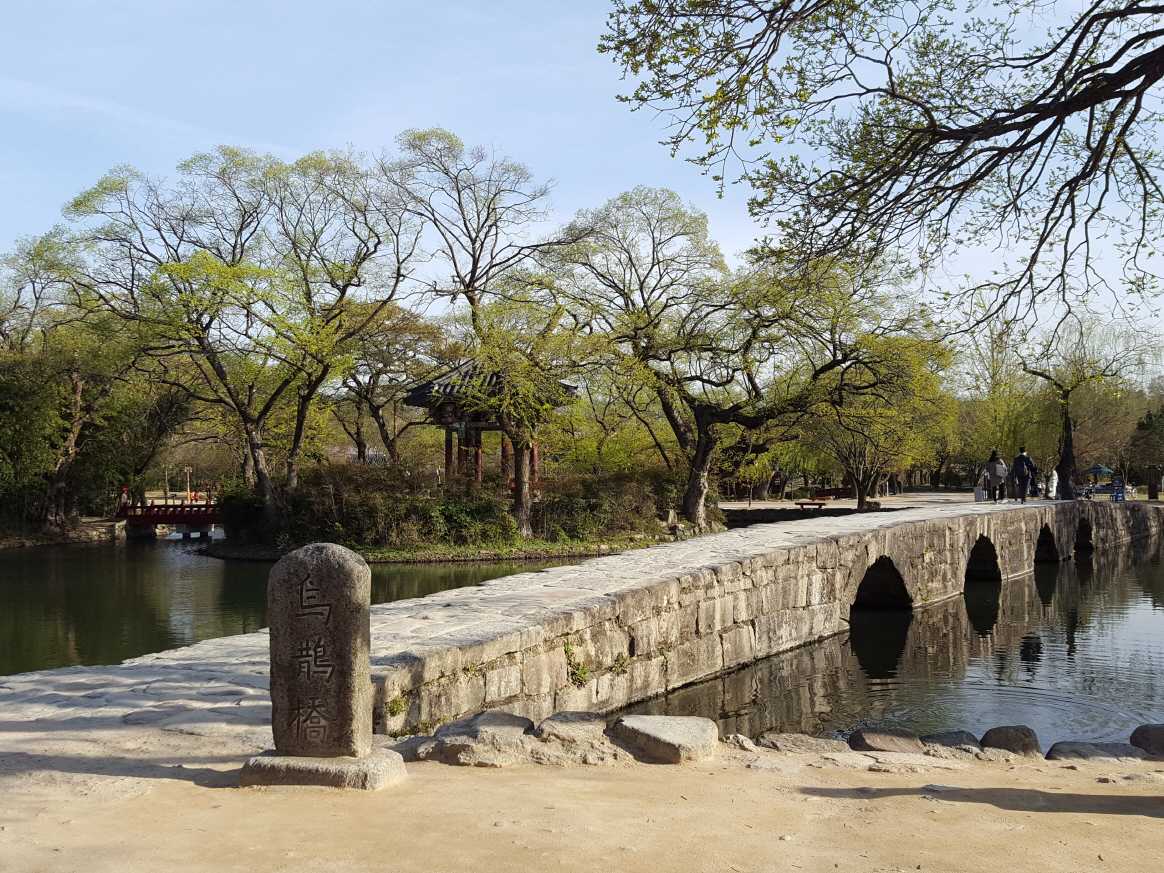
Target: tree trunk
x=522, y=496
x=699, y=477
x=1066, y=466
x=271, y=510
x=67, y=453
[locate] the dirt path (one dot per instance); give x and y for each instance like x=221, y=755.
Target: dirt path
x=717, y=816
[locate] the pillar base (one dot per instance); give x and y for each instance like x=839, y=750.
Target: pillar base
x=380, y=768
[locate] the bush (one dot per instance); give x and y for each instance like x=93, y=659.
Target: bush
x=242, y=514
x=373, y=506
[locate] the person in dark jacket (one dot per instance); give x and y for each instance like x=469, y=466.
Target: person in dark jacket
x=1024, y=470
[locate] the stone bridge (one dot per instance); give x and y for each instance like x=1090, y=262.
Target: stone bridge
x=624, y=628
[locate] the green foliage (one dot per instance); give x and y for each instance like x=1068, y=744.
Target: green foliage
x=373, y=506
x=242, y=513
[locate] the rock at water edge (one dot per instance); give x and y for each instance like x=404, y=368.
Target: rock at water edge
x=885, y=740
x=1016, y=738
x=1150, y=738
x=952, y=739
x=801, y=744
x=1067, y=750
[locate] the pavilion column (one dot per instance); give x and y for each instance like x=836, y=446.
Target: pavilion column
x=534, y=454
x=505, y=467
x=448, y=454
x=477, y=461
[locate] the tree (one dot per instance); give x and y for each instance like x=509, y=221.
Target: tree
x=929, y=125
x=756, y=349
x=521, y=353
x=398, y=349
x=261, y=273
x=1083, y=353
x=895, y=425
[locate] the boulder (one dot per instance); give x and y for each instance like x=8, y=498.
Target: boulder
x=885, y=740
x=1150, y=738
x=1075, y=751
x=670, y=739
x=573, y=727
x=1017, y=739
x=801, y=744
x=952, y=740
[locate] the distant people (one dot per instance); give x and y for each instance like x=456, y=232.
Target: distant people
x=1053, y=486
x=1024, y=471
x=995, y=477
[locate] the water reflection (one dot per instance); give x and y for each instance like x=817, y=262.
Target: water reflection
x=102, y=604
x=1074, y=651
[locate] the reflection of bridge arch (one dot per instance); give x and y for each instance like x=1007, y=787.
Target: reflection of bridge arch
x=1047, y=549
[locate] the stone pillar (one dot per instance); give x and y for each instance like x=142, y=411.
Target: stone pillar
x=318, y=600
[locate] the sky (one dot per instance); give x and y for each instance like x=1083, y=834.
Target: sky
x=86, y=86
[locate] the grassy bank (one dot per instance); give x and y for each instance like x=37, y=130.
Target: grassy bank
x=528, y=550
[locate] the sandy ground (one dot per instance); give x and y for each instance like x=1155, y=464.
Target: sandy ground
x=177, y=807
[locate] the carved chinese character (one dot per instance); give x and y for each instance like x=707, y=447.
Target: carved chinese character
x=313, y=660
x=311, y=600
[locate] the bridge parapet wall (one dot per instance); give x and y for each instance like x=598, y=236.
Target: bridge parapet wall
x=623, y=628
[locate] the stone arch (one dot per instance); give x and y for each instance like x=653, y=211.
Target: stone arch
x=1046, y=549
x=1084, y=536
x=982, y=592
x=983, y=565
x=882, y=587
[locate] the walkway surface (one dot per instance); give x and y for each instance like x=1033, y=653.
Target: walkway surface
x=217, y=690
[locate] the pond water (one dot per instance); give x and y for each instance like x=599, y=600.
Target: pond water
x=1075, y=651
x=101, y=604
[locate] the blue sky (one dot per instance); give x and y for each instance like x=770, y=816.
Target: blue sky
x=87, y=85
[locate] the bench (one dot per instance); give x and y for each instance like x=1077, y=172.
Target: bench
x=820, y=503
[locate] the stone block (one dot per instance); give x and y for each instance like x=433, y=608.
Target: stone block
x=655, y=635
x=716, y=614
x=827, y=555
x=502, y=682
x=647, y=676
x=573, y=727
x=669, y=739
x=378, y=769
x=574, y=697
x=544, y=672
x=644, y=603
x=747, y=604
x=695, y=659
x=739, y=646
x=612, y=691
x=599, y=647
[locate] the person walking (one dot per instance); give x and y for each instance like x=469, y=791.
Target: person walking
x=1024, y=471
x=995, y=476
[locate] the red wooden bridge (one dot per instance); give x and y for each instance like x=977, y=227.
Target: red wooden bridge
x=193, y=514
